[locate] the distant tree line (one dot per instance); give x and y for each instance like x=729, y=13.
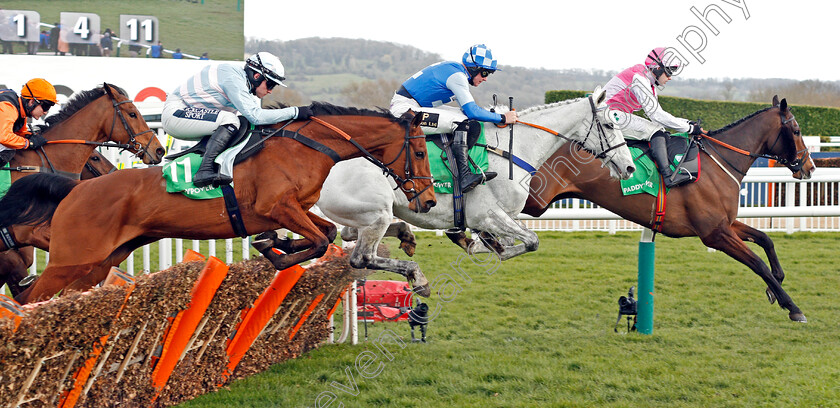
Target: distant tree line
x=366, y=73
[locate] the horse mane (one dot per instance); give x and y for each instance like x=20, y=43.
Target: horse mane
x=326, y=108
x=74, y=104
x=33, y=199
x=547, y=106
x=738, y=122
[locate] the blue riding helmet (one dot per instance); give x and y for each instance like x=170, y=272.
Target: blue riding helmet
x=478, y=58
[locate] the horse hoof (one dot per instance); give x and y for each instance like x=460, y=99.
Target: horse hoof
x=798, y=317
x=262, y=245
x=408, y=248
x=27, y=280
x=770, y=296
x=422, y=290
x=421, y=284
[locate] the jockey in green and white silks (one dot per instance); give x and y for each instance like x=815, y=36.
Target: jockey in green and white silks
x=634, y=89
x=427, y=91
x=208, y=103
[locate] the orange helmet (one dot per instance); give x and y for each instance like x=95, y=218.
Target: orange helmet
x=40, y=90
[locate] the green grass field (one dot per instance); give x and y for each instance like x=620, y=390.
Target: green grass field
x=538, y=332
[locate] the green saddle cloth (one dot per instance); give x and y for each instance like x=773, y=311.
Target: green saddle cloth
x=646, y=178
x=179, y=175
x=5, y=180
x=439, y=165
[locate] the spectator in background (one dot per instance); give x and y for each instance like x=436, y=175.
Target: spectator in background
x=106, y=43
x=45, y=40
x=63, y=46
x=157, y=50
x=8, y=47
x=204, y=57
x=54, y=35
x=177, y=54
x=133, y=50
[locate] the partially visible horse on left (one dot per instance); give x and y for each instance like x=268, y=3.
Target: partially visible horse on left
x=14, y=262
x=275, y=188
x=103, y=116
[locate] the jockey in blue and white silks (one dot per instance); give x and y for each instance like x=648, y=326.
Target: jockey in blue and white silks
x=208, y=103
x=427, y=91
x=634, y=89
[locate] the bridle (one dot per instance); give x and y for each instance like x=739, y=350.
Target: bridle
x=794, y=165
x=594, y=123
x=133, y=144
x=407, y=185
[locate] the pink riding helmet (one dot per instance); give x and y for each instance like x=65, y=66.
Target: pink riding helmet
x=654, y=62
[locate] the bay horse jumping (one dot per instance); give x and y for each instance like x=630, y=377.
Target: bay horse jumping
x=706, y=208
x=103, y=116
x=275, y=188
x=15, y=262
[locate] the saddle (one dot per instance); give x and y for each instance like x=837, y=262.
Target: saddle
x=683, y=153
x=246, y=130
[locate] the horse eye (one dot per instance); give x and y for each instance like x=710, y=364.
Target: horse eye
x=420, y=155
x=132, y=114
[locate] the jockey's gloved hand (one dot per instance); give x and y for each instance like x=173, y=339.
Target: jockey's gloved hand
x=36, y=141
x=303, y=113
x=694, y=128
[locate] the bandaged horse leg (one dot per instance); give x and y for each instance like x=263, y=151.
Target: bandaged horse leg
x=364, y=256
x=399, y=230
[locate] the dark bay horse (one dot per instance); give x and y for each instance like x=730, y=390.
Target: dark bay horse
x=103, y=116
x=706, y=208
x=14, y=263
x=275, y=189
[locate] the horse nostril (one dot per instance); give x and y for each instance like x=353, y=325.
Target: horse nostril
x=160, y=152
x=430, y=203
x=630, y=169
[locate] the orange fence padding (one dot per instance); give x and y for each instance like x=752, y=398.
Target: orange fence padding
x=116, y=277
x=9, y=309
x=305, y=315
x=335, y=306
x=187, y=321
x=259, y=315
x=191, y=256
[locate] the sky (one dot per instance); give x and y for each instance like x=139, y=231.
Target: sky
x=762, y=39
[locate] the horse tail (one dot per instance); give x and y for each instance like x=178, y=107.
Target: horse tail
x=33, y=199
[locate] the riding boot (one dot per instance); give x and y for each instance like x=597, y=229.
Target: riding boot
x=207, y=173
x=467, y=179
x=659, y=153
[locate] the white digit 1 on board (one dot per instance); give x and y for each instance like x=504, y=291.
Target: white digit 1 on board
x=20, y=20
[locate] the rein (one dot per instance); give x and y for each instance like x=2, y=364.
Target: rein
x=138, y=147
x=795, y=165
x=406, y=185
x=600, y=132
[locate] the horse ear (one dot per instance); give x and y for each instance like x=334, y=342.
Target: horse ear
x=775, y=100
x=107, y=89
x=783, y=107
x=599, y=94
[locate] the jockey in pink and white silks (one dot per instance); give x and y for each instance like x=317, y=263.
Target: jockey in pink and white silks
x=427, y=91
x=634, y=89
x=208, y=103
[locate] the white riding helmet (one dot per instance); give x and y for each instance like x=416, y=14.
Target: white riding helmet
x=268, y=65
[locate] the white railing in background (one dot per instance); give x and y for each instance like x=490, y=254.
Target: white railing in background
x=762, y=186
x=771, y=200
